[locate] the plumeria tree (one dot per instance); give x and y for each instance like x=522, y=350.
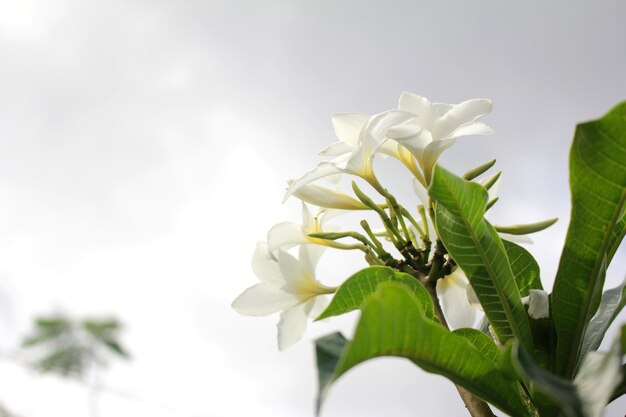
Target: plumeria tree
x=72, y=348
x=431, y=270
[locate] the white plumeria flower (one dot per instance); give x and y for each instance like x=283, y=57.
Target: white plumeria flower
x=287, y=285
x=452, y=291
x=286, y=235
x=327, y=198
x=360, y=137
x=436, y=127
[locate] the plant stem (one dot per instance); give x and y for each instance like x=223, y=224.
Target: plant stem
x=475, y=406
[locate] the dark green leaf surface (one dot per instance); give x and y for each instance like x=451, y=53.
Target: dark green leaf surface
x=393, y=324
x=328, y=350
x=598, y=186
x=476, y=247
x=355, y=289
x=546, y=387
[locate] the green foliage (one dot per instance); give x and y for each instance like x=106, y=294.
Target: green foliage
x=70, y=347
x=328, y=350
x=393, y=324
x=354, y=290
x=524, y=267
x=478, y=250
x=548, y=390
x=548, y=366
x=598, y=186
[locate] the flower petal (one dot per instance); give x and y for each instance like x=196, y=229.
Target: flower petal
x=431, y=154
x=421, y=192
x=322, y=170
x=292, y=325
x=265, y=266
x=452, y=294
x=415, y=104
x=348, y=127
x=539, y=304
x=284, y=236
x=328, y=198
x=262, y=299
x=336, y=149
x=291, y=269
x=381, y=123
x=459, y=115
x=319, y=304
x=516, y=238
x=309, y=256
x=475, y=128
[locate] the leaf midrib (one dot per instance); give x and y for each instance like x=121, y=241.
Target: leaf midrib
x=582, y=322
x=507, y=308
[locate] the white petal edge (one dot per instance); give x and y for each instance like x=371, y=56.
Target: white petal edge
x=476, y=128
x=539, y=304
x=516, y=238
x=324, y=169
x=336, y=149
x=418, y=105
x=452, y=294
x=421, y=192
x=262, y=300
x=284, y=236
x=264, y=265
x=327, y=198
x=461, y=114
x=348, y=127
x=292, y=325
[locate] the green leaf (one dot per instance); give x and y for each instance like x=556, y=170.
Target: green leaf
x=527, y=277
x=524, y=267
x=328, y=350
x=48, y=329
x=67, y=361
x=485, y=345
x=612, y=303
x=393, y=324
x=478, y=250
x=598, y=186
x=354, y=290
x=546, y=387
x=105, y=332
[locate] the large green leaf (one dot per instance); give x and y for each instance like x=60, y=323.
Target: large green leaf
x=474, y=244
x=393, y=324
x=524, y=266
x=355, y=289
x=598, y=186
x=328, y=350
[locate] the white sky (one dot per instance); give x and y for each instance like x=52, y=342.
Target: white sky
x=145, y=145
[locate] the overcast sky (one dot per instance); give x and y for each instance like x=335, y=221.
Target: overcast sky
x=145, y=146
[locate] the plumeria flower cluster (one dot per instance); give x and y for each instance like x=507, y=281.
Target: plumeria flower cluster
x=415, y=134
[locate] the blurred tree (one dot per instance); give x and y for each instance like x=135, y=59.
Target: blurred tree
x=75, y=348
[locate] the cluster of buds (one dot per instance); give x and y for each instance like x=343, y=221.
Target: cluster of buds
x=415, y=134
